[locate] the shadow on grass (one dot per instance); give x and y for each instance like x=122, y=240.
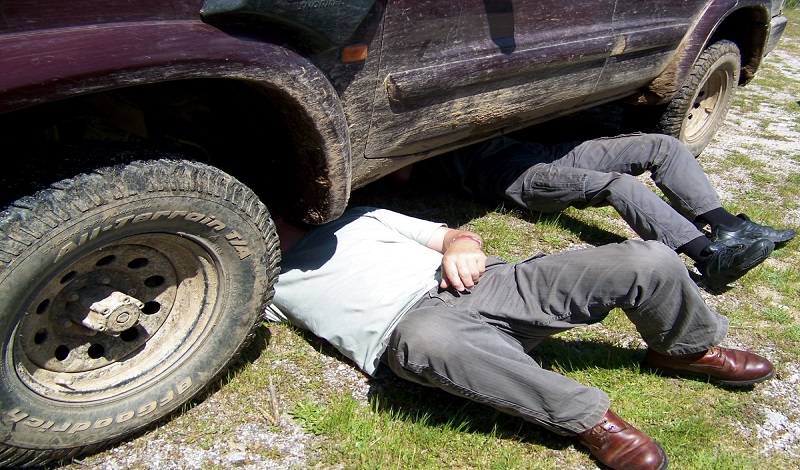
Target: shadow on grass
x=415, y=403
x=248, y=354
x=426, y=200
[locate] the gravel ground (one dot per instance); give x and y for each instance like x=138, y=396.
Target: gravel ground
x=250, y=442
x=780, y=432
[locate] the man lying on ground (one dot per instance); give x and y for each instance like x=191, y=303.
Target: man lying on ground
x=422, y=299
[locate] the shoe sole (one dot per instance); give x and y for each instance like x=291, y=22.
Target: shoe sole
x=706, y=377
x=773, y=240
x=665, y=462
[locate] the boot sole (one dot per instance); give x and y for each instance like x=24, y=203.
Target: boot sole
x=704, y=376
x=772, y=239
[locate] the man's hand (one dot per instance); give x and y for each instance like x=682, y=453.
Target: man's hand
x=464, y=260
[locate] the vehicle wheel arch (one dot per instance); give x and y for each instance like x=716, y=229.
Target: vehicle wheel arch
x=321, y=167
x=290, y=83
x=747, y=27
x=312, y=114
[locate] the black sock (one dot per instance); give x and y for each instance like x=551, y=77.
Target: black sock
x=722, y=217
x=694, y=249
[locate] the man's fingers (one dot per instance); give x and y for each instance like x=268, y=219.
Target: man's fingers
x=451, y=277
x=462, y=273
x=467, y=276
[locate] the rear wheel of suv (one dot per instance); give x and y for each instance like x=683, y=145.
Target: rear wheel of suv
x=695, y=114
x=126, y=291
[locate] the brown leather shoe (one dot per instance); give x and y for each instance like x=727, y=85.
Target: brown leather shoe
x=717, y=365
x=621, y=446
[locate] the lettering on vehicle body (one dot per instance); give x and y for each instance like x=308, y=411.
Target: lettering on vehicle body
x=21, y=418
x=233, y=237
x=310, y=5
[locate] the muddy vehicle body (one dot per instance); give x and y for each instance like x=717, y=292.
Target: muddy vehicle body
x=146, y=142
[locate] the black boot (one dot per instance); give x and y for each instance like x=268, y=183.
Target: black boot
x=730, y=259
x=752, y=231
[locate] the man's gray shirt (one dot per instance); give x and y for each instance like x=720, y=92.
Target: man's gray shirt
x=351, y=280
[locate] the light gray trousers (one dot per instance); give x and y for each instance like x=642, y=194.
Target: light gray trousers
x=475, y=345
x=602, y=171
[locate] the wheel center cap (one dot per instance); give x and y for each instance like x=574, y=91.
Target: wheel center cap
x=105, y=310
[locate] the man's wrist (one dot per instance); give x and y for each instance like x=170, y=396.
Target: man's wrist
x=469, y=237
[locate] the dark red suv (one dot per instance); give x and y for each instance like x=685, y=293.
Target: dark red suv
x=144, y=141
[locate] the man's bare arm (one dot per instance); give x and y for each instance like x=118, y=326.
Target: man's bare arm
x=464, y=260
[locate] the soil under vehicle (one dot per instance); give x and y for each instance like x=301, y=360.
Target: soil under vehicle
x=144, y=142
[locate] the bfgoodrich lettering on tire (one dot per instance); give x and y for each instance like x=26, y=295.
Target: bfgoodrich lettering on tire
x=124, y=293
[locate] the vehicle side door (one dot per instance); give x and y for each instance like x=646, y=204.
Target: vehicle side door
x=647, y=34
x=455, y=71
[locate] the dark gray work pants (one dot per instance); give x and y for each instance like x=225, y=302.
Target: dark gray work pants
x=600, y=171
x=475, y=345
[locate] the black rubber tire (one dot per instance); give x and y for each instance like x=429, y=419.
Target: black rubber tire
x=192, y=248
x=698, y=110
